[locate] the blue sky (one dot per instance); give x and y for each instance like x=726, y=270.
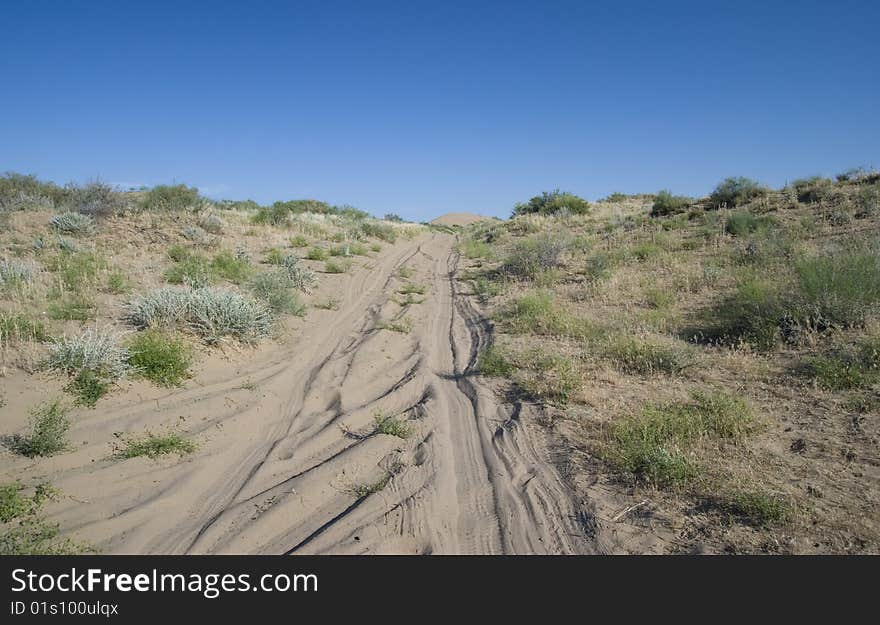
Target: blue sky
x=422, y=108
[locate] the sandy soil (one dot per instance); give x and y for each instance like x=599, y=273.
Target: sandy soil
x=459, y=219
x=287, y=436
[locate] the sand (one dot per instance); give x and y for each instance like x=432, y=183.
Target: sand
x=287, y=443
x=459, y=219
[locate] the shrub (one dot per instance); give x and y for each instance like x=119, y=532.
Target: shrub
x=25, y=530
x=667, y=204
x=411, y=288
x=73, y=223
x=841, y=289
x=274, y=256
x=600, y=266
x=210, y=313
x=317, y=253
x=118, y=283
x=760, y=507
x=743, y=222
x=98, y=351
x=192, y=270
x=176, y=197
x=656, y=445
x=337, y=266
x=553, y=202
x=22, y=192
x=299, y=241
x=76, y=270
x=736, y=191
x=49, y=426
x=73, y=307
x=212, y=223
x=14, y=272
x=227, y=266
x=538, y=313
x=275, y=288
x=379, y=230
x=638, y=356
x=96, y=199
x=152, y=446
x=194, y=234
x=19, y=327
x=552, y=377
x=391, y=426
x=813, y=189
x=88, y=387
x=494, y=362
x=300, y=277
x=160, y=357
x=531, y=256
x=752, y=314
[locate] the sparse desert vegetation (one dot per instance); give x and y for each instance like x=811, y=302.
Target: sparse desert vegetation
x=718, y=356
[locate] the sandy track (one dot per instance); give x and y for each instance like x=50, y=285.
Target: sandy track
x=277, y=468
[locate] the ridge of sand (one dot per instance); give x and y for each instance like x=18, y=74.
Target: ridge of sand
x=459, y=219
x=289, y=459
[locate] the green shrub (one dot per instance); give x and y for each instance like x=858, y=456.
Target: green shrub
x=494, y=362
x=736, y=191
x=317, y=253
x=391, y=426
x=667, y=204
x=656, y=446
x=118, y=283
x=553, y=202
x=49, y=426
x=379, y=230
x=538, y=313
x=160, y=357
x=152, y=446
x=16, y=327
x=742, y=222
x=299, y=241
x=24, y=529
x=177, y=197
x=530, y=257
x=843, y=288
x=274, y=256
x=275, y=288
x=752, y=314
x=77, y=270
x=96, y=199
x=474, y=248
x=633, y=355
x=760, y=507
x=192, y=270
x=813, y=189
x=72, y=308
x=227, y=266
x=337, y=266
x=88, y=387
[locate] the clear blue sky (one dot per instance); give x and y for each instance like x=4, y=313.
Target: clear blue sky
x=422, y=108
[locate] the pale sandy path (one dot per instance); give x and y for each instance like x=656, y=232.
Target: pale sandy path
x=276, y=467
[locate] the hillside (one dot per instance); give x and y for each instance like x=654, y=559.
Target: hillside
x=709, y=375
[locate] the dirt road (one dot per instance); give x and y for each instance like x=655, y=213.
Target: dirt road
x=289, y=460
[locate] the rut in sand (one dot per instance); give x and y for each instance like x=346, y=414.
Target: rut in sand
x=297, y=466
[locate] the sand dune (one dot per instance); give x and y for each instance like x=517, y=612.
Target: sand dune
x=289, y=460
x=459, y=219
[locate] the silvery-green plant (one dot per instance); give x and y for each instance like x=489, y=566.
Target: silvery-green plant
x=209, y=312
x=195, y=234
x=99, y=351
x=300, y=277
x=211, y=223
x=72, y=223
x=14, y=271
x=66, y=245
